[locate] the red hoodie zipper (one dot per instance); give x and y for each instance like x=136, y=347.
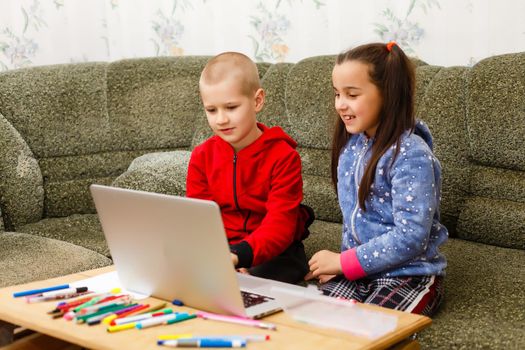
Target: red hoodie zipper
x=235, y=192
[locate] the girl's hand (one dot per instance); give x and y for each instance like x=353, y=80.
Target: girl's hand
x=324, y=262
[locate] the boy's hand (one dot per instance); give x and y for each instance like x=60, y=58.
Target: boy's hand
x=324, y=263
x=235, y=259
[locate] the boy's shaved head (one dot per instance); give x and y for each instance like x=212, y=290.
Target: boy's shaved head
x=232, y=65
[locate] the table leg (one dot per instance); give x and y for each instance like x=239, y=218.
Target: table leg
x=6, y=333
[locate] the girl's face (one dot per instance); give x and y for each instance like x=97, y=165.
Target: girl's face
x=357, y=100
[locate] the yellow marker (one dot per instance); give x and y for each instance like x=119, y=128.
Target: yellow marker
x=152, y=308
x=121, y=327
x=175, y=336
x=107, y=320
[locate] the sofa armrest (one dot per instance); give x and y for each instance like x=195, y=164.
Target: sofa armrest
x=21, y=184
x=161, y=172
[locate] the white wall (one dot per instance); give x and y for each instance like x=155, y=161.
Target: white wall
x=441, y=32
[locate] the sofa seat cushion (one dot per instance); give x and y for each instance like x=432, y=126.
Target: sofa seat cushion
x=80, y=229
x=484, y=303
x=160, y=172
x=25, y=258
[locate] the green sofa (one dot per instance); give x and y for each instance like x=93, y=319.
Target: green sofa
x=133, y=123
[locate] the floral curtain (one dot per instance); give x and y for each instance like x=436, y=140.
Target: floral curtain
x=442, y=32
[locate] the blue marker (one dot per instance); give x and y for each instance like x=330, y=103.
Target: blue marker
x=204, y=343
x=177, y=302
x=39, y=291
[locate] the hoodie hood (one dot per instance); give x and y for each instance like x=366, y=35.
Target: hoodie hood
x=421, y=129
x=269, y=135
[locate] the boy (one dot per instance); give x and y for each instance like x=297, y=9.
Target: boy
x=252, y=172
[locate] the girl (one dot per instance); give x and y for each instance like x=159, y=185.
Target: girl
x=388, y=185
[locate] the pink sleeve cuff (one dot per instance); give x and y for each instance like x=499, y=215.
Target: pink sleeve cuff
x=350, y=265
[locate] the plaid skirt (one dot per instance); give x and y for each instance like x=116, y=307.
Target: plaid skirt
x=416, y=294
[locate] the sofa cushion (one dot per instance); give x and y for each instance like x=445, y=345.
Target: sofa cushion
x=25, y=258
x=67, y=179
x=202, y=130
x=21, y=190
x=494, y=213
x=81, y=230
x=162, y=172
x=274, y=82
x=310, y=102
x=484, y=306
x=493, y=221
x=441, y=104
x=59, y=110
x=315, y=162
x=63, y=118
x=153, y=102
x=323, y=235
x=320, y=195
x=496, y=110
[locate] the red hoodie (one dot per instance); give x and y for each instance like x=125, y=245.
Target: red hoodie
x=259, y=190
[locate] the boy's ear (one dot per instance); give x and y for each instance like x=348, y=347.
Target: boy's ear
x=259, y=99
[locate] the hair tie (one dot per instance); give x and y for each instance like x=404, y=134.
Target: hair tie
x=389, y=46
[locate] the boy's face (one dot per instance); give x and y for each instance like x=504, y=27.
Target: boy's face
x=231, y=113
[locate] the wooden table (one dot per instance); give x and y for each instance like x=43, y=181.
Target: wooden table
x=289, y=334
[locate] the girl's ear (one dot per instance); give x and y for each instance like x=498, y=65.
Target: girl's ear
x=259, y=99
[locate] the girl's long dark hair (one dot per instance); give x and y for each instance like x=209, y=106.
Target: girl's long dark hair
x=394, y=75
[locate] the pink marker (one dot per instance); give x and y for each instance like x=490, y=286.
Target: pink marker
x=237, y=320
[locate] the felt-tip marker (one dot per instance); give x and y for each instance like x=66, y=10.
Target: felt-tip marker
x=204, y=343
x=39, y=291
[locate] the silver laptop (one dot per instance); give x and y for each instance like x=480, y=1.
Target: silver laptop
x=176, y=248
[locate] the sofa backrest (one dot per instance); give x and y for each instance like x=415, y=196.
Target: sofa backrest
x=21, y=190
x=494, y=211
x=59, y=113
x=154, y=101
x=441, y=94
x=84, y=123
x=477, y=117
x=71, y=125
x=310, y=112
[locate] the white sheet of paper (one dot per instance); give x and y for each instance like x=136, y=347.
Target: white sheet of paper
x=104, y=283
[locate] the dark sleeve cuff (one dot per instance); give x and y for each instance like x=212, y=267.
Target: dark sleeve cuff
x=244, y=252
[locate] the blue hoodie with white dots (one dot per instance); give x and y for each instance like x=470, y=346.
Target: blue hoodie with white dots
x=399, y=233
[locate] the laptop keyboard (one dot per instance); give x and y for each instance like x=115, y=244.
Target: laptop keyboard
x=251, y=299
